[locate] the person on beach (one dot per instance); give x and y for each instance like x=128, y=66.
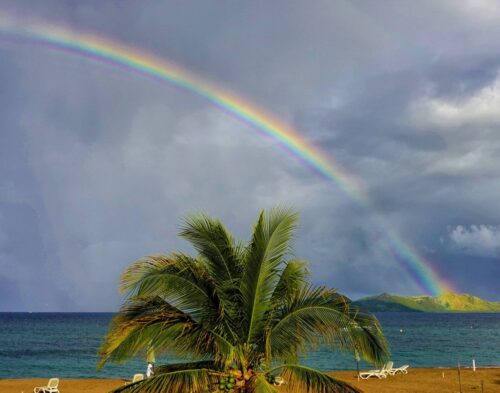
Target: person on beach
x=150, y=370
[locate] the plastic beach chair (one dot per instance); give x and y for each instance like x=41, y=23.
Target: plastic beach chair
x=136, y=378
x=401, y=370
x=382, y=373
x=50, y=388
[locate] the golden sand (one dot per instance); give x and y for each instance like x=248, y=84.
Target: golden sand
x=416, y=381
x=65, y=385
x=428, y=380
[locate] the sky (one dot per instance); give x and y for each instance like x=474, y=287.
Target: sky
x=98, y=166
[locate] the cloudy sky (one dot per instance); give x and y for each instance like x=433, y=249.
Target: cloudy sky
x=98, y=166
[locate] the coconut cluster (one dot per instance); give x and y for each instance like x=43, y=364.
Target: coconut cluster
x=234, y=379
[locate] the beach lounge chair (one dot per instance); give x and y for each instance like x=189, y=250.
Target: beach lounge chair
x=50, y=388
x=278, y=381
x=401, y=370
x=382, y=373
x=137, y=378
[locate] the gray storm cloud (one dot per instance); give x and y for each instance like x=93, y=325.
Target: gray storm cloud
x=482, y=240
x=98, y=166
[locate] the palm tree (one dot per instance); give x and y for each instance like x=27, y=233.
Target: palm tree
x=241, y=313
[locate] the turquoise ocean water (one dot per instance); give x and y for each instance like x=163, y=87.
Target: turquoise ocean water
x=65, y=344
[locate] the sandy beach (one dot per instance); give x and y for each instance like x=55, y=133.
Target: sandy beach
x=422, y=380
x=428, y=380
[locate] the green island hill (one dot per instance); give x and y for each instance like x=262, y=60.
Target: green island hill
x=447, y=302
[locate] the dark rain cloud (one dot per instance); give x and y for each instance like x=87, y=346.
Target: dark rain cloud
x=98, y=166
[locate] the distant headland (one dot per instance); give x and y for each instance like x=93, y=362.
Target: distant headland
x=447, y=302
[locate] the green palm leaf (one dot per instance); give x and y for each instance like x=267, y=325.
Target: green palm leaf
x=222, y=257
x=301, y=379
x=269, y=245
x=261, y=385
x=167, y=328
x=321, y=316
x=193, y=380
x=212, y=240
x=293, y=278
x=177, y=279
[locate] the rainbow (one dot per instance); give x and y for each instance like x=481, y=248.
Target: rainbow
x=117, y=55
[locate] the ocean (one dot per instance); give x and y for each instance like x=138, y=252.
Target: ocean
x=42, y=345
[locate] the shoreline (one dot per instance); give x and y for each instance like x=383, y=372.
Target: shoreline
x=418, y=380
x=428, y=368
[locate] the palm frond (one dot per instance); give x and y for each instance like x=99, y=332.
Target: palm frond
x=212, y=240
x=177, y=278
x=318, y=316
x=293, y=278
x=138, y=323
x=222, y=257
x=195, y=380
x=167, y=328
x=131, y=278
x=185, y=283
x=205, y=364
x=301, y=379
x=269, y=245
x=260, y=384
x=367, y=337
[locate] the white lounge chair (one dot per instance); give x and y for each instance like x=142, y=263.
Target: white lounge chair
x=382, y=373
x=136, y=378
x=278, y=381
x=373, y=373
x=401, y=370
x=50, y=388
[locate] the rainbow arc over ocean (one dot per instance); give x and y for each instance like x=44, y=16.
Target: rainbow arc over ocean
x=130, y=60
